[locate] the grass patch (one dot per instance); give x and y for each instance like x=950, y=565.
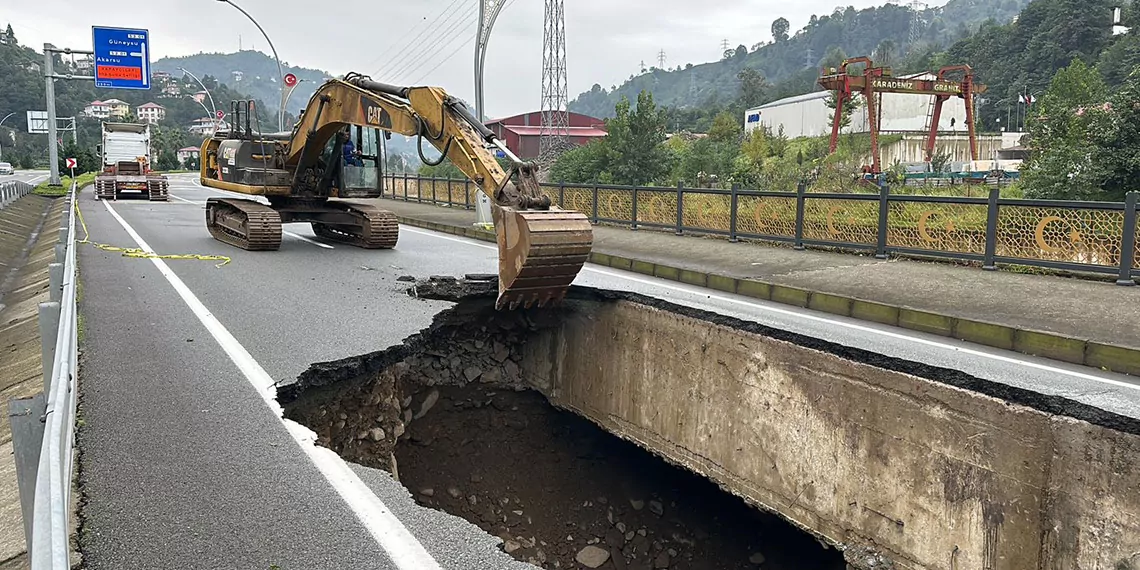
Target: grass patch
x=46, y=189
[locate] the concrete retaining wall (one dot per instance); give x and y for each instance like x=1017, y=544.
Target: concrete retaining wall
x=921, y=472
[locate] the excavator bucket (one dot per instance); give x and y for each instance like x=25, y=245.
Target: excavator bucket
x=540, y=254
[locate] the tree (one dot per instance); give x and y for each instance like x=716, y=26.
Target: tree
x=753, y=87
x=8, y=33
x=632, y=153
x=849, y=106
x=885, y=53
x=85, y=159
x=725, y=129
x=1062, y=165
x=780, y=30
x=1115, y=139
x=583, y=164
x=167, y=160
x=636, y=156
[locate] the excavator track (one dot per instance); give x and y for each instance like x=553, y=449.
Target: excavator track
x=540, y=254
x=379, y=229
x=244, y=223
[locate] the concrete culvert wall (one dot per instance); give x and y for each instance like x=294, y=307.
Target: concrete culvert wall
x=899, y=464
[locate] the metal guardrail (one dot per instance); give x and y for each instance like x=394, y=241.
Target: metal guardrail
x=1098, y=237
x=13, y=190
x=43, y=433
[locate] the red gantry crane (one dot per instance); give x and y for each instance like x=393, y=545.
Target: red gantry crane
x=874, y=80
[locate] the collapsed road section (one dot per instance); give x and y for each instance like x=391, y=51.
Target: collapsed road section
x=895, y=463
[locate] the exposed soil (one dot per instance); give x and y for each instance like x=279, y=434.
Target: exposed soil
x=552, y=484
x=449, y=414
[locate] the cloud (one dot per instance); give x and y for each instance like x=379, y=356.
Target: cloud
x=605, y=40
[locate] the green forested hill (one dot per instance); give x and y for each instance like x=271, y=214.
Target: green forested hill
x=259, y=74
x=1023, y=56
x=790, y=63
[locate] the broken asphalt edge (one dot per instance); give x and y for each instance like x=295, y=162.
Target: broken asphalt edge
x=1113, y=358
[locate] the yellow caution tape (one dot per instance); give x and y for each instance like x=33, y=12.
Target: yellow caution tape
x=140, y=253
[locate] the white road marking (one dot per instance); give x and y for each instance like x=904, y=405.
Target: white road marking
x=180, y=199
x=386, y=529
x=825, y=320
x=310, y=240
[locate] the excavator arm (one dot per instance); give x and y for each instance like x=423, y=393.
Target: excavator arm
x=541, y=247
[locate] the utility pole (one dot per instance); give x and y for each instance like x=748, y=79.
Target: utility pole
x=661, y=59
x=49, y=88
x=724, y=45
x=2, y=133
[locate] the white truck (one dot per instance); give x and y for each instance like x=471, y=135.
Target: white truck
x=126, y=153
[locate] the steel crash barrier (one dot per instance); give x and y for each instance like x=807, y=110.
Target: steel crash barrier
x=1098, y=237
x=13, y=190
x=43, y=427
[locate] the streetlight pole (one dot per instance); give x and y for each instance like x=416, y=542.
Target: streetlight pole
x=2, y=124
x=289, y=95
x=488, y=13
x=203, y=86
x=280, y=73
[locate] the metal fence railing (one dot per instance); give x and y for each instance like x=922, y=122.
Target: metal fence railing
x=13, y=190
x=43, y=427
x=1057, y=234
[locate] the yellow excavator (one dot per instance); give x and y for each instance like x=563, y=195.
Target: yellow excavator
x=304, y=175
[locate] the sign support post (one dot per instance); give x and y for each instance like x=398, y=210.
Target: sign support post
x=122, y=61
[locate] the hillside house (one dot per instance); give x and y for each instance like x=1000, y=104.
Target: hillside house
x=150, y=113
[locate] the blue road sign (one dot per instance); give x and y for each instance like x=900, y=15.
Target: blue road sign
x=122, y=58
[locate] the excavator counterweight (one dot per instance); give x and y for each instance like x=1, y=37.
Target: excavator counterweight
x=333, y=153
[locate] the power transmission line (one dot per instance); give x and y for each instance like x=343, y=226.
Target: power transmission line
x=438, y=43
x=411, y=29
x=405, y=47
x=429, y=45
x=440, y=46
x=454, y=51
x=661, y=59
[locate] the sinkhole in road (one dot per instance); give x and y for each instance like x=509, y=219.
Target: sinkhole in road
x=452, y=416
x=563, y=493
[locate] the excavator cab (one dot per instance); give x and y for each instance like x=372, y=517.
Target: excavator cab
x=361, y=178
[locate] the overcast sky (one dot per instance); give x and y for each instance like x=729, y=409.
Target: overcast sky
x=606, y=39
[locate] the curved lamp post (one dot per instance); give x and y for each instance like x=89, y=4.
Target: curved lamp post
x=1, y=124
x=203, y=86
x=289, y=95
x=280, y=73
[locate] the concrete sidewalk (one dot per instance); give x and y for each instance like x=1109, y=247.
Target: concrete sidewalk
x=1073, y=320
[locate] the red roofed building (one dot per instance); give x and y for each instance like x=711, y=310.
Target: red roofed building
x=521, y=132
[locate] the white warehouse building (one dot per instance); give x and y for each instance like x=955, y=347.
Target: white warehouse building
x=809, y=116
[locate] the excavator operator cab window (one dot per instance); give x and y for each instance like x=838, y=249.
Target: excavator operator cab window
x=362, y=170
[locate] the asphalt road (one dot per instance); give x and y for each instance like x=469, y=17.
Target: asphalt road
x=184, y=463
x=29, y=176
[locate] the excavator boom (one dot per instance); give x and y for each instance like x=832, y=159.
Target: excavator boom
x=541, y=247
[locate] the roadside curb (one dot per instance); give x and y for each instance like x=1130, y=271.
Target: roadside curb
x=1109, y=357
